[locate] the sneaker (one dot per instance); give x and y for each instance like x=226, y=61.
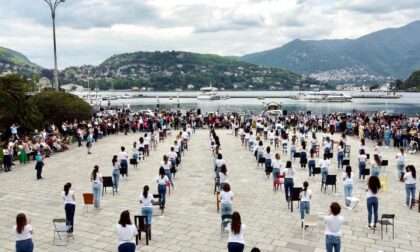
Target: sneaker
x=368, y=226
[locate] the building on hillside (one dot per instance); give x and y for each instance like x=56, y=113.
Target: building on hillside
x=135, y=88
x=44, y=82
x=72, y=87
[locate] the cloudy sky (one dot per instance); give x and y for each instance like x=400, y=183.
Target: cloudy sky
x=89, y=31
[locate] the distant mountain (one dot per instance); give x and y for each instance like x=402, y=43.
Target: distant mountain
x=393, y=53
x=15, y=62
x=175, y=69
x=412, y=83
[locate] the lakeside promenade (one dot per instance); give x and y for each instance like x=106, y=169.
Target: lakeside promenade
x=190, y=221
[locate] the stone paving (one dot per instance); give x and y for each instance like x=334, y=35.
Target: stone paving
x=190, y=221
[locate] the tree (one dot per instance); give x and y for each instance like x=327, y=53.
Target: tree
x=57, y=107
x=374, y=87
x=15, y=107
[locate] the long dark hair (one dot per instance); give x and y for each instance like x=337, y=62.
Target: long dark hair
x=305, y=186
x=377, y=159
x=165, y=159
x=412, y=169
x=223, y=169
x=288, y=164
x=114, y=160
x=374, y=184
x=348, y=171
x=67, y=187
x=145, y=191
x=162, y=172
x=94, y=172
x=236, y=223
x=125, y=218
x=21, y=222
x=362, y=141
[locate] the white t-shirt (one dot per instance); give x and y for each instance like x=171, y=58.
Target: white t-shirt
x=172, y=155
x=122, y=155
x=239, y=238
x=268, y=155
x=224, y=178
x=370, y=194
x=219, y=162
x=400, y=158
x=226, y=197
x=26, y=233
x=68, y=199
x=162, y=181
x=146, y=202
x=288, y=172
x=306, y=196
x=333, y=224
x=126, y=234
x=362, y=158
x=98, y=178
x=277, y=164
x=408, y=178
x=324, y=163
x=347, y=180
x=166, y=166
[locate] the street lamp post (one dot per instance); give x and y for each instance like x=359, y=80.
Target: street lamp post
x=53, y=6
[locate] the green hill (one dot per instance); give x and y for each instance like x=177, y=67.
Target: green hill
x=386, y=53
x=175, y=69
x=12, y=61
x=413, y=82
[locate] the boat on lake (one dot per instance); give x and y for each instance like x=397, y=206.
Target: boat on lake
x=322, y=97
x=208, y=93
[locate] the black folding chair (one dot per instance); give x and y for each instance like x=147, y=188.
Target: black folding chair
x=346, y=162
x=140, y=221
x=387, y=220
x=294, y=196
x=332, y=181
x=107, y=182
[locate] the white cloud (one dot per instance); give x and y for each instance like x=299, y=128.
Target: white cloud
x=89, y=31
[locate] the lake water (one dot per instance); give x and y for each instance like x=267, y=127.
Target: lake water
x=409, y=103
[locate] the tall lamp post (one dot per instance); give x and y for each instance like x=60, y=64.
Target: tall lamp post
x=53, y=6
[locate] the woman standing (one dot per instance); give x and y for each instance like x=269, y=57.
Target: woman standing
x=126, y=233
x=288, y=180
x=376, y=166
x=362, y=164
x=311, y=162
x=224, y=176
x=115, y=172
x=23, y=232
x=305, y=199
x=7, y=158
x=333, y=223
x=226, y=198
x=88, y=142
x=276, y=166
x=122, y=158
x=218, y=164
x=69, y=205
x=372, y=190
x=161, y=180
x=268, y=157
x=146, y=199
x=96, y=179
x=236, y=229
x=340, y=155
x=400, y=162
x=166, y=164
x=135, y=155
x=348, y=185
x=410, y=184
x=325, y=165
x=39, y=165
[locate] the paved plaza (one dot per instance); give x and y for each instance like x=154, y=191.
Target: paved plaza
x=190, y=221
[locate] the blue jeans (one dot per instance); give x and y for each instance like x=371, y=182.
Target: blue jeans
x=276, y=172
x=250, y=145
x=375, y=171
x=116, y=178
x=340, y=158
x=324, y=174
x=348, y=192
x=410, y=189
x=372, y=205
x=235, y=247
x=288, y=185
x=25, y=245
x=96, y=189
x=387, y=141
x=124, y=167
x=127, y=247
x=70, y=209
x=332, y=242
x=400, y=168
x=169, y=175
x=304, y=207
x=225, y=208
x=147, y=211
x=311, y=166
x=162, y=194
x=362, y=167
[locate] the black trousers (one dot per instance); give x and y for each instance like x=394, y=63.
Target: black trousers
x=38, y=173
